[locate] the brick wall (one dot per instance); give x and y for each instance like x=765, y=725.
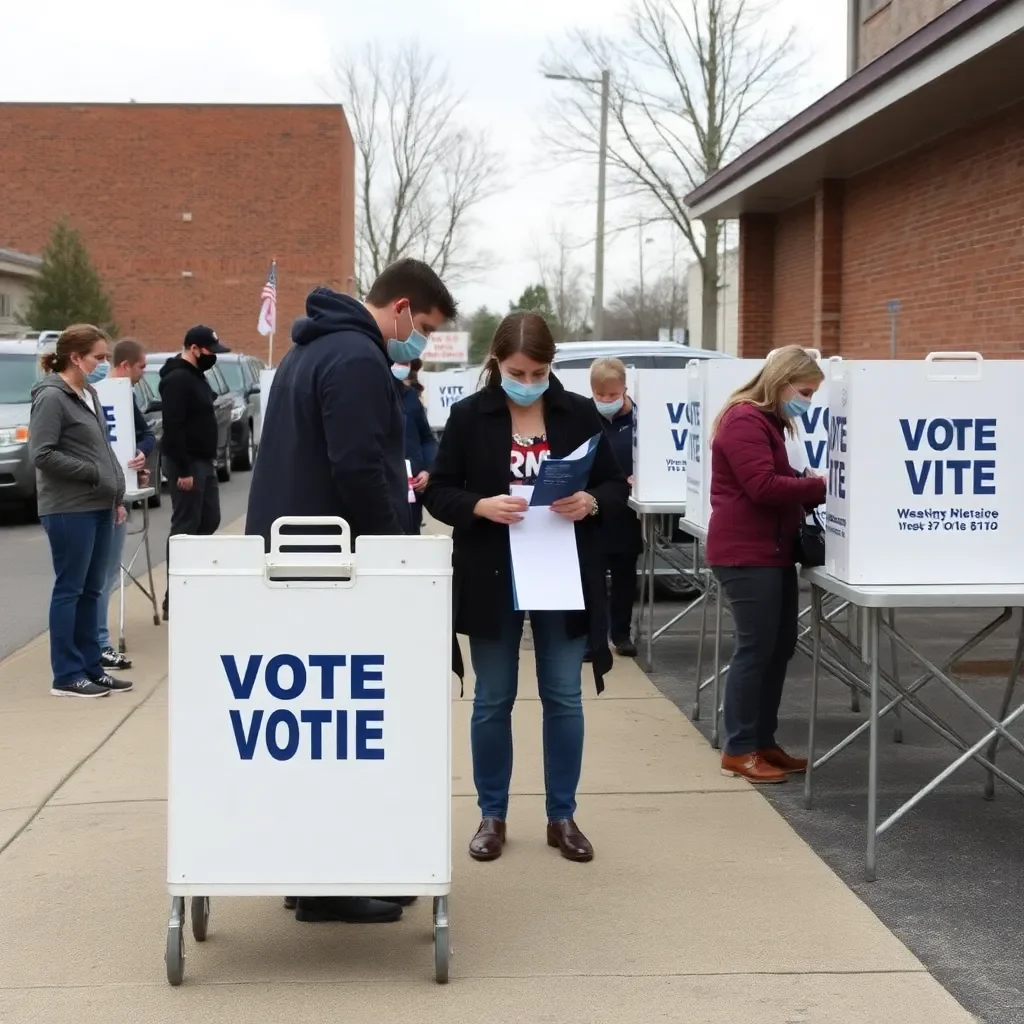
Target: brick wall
x=941, y=229
x=259, y=182
x=794, y=277
x=892, y=22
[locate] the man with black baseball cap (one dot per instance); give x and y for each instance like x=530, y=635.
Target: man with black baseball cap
x=190, y=435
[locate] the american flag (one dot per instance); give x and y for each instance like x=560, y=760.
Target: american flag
x=268, y=303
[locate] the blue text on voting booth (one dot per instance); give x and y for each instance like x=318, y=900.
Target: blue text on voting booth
x=327, y=732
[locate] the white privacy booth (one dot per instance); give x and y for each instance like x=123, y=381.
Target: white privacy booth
x=309, y=721
x=443, y=389
x=661, y=436
x=118, y=410
x=923, y=488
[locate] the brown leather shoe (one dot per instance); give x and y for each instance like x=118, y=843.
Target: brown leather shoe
x=572, y=843
x=778, y=758
x=488, y=841
x=752, y=767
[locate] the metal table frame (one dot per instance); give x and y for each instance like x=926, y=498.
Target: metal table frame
x=873, y=601
x=142, y=496
x=653, y=517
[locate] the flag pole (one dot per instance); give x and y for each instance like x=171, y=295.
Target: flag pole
x=270, y=354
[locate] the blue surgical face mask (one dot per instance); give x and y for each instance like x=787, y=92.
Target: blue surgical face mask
x=100, y=373
x=400, y=372
x=408, y=350
x=609, y=410
x=796, y=406
x=523, y=394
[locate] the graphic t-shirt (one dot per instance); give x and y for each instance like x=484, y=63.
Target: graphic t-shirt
x=527, y=455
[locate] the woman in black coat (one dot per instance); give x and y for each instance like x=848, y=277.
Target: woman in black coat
x=494, y=440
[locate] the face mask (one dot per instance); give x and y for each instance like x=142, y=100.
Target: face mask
x=400, y=372
x=101, y=371
x=796, y=406
x=610, y=409
x=206, y=361
x=523, y=394
x=408, y=350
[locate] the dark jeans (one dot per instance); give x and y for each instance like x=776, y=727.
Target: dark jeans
x=763, y=601
x=559, y=660
x=80, y=546
x=622, y=569
x=196, y=512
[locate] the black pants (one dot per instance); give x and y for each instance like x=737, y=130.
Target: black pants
x=622, y=569
x=763, y=601
x=196, y=511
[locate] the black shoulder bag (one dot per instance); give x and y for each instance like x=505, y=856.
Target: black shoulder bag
x=810, y=542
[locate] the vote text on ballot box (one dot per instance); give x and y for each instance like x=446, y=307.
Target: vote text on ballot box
x=660, y=437
x=923, y=487
x=310, y=714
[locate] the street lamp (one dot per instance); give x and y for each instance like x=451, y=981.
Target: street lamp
x=602, y=163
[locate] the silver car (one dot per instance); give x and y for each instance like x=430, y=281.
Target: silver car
x=19, y=371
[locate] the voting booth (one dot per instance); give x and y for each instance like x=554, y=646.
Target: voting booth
x=661, y=436
x=309, y=720
x=443, y=389
x=923, y=484
x=117, y=407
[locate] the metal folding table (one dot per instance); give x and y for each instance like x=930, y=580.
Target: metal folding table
x=873, y=601
x=140, y=496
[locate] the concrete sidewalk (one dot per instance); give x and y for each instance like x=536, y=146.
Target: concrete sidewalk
x=702, y=905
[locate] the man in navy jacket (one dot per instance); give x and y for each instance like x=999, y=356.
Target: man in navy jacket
x=333, y=440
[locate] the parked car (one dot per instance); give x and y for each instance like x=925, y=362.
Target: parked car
x=223, y=403
x=19, y=371
x=242, y=373
x=149, y=405
x=669, y=583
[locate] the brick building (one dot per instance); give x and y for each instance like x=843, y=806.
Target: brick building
x=182, y=207
x=903, y=186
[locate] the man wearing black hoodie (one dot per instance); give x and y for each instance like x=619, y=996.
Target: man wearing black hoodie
x=190, y=436
x=333, y=440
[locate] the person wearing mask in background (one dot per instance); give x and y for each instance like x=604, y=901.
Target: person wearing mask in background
x=494, y=440
x=333, y=444
x=621, y=536
x=127, y=361
x=80, y=487
x=758, y=502
x=190, y=437
x=420, y=443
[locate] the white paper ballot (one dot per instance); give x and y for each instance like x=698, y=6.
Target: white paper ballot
x=545, y=562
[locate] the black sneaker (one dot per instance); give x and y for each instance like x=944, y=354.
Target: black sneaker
x=625, y=648
x=79, y=688
x=114, y=660
x=112, y=685
x=352, y=909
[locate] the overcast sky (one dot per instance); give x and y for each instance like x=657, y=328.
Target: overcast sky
x=281, y=51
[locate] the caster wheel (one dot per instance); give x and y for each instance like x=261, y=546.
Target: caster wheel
x=174, y=956
x=442, y=941
x=200, y=917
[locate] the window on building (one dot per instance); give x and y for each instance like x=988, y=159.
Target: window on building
x=6, y=306
x=869, y=8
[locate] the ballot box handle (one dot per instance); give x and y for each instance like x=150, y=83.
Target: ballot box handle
x=934, y=361
x=310, y=549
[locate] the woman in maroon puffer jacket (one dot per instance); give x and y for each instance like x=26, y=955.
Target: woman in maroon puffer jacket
x=757, y=504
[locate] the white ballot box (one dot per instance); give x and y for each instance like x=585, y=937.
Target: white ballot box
x=118, y=412
x=444, y=389
x=923, y=488
x=309, y=715
x=710, y=382
x=809, y=449
x=660, y=437
x=266, y=380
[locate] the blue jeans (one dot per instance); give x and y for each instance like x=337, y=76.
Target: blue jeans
x=559, y=660
x=80, y=546
x=113, y=575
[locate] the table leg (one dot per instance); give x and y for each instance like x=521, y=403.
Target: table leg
x=716, y=687
x=852, y=627
x=1011, y=685
x=871, y=616
x=816, y=596
x=695, y=713
x=149, y=560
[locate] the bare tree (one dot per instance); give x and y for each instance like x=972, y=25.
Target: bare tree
x=639, y=311
x=421, y=173
x=565, y=281
x=692, y=82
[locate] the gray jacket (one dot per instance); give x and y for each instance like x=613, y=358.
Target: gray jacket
x=76, y=469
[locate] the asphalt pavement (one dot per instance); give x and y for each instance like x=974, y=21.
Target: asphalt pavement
x=26, y=576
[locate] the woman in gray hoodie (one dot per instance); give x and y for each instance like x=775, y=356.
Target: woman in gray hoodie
x=80, y=487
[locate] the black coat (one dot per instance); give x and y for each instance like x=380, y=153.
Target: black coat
x=420, y=443
x=189, y=417
x=333, y=441
x=473, y=463
x=620, y=529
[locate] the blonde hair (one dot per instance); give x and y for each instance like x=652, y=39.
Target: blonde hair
x=783, y=367
x=78, y=338
x=604, y=370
